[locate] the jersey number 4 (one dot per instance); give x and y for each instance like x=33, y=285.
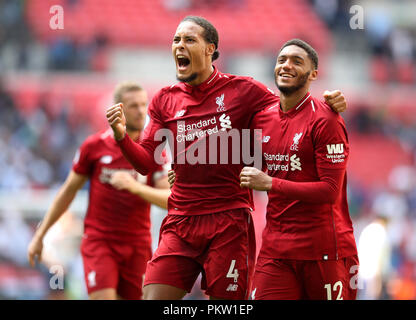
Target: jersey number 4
x=232, y=271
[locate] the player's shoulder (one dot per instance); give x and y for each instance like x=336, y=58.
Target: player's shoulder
x=324, y=115
x=271, y=111
x=248, y=81
x=254, y=88
x=98, y=137
x=322, y=110
x=166, y=91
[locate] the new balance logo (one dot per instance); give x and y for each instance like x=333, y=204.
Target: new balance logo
x=295, y=163
x=266, y=139
x=180, y=113
x=225, y=122
x=106, y=159
x=220, y=102
x=335, y=148
x=232, y=287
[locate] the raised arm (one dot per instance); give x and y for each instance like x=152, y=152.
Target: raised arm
x=140, y=155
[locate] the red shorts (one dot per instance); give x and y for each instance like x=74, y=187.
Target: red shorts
x=117, y=265
x=222, y=246
x=278, y=279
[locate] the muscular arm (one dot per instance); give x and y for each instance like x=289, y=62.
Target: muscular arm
x=60, y=204
x=157, y=195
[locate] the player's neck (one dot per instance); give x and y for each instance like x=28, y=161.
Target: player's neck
x=288, y=101
x=203, y=76
x=133, y=134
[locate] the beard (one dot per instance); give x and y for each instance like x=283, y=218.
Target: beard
x=138, y=127
x=191, y=78
x=292, y=89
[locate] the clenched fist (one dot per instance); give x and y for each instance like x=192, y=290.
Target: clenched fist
x=256, y=179
x=336, y=100
x=117, y=120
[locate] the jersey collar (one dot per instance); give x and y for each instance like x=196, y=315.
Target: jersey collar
x=204, y=85
x=299, y=106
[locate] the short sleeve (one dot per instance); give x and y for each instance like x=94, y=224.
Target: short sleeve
x=82, y=163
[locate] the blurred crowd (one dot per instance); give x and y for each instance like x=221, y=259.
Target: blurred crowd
x=392, y=46
x=63, y=53
x=38, y=148
x=393, y=49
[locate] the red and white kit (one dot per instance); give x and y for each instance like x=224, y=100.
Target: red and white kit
x=203, y=194
x=308, y=246
x=116, y=244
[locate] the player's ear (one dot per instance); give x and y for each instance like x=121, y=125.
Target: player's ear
x=314, y=75
x=210, y=49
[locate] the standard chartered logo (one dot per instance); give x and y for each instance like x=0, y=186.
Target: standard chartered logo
x=295, y=163
x=225, y=122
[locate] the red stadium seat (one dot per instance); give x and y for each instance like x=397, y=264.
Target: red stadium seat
x=149, y=23
x=379, y=70
x=405, y=71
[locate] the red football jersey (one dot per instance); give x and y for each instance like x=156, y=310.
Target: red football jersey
x=194, y=115
x=113, y=214
x=306, y=151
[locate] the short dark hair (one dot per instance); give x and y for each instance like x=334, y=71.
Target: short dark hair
x=210, y=33
x=305, y=46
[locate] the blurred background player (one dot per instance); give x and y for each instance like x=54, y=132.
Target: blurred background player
x=204, y=230
x=308, y=249
x=116, y=244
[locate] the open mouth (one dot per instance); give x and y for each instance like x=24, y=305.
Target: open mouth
x=183, y=62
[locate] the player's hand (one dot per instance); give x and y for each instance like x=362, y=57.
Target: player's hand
x=122, y=180
x=34, y=250
x=171, y=177
x=117, y=120
x=336, y=100
x=256, y=179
